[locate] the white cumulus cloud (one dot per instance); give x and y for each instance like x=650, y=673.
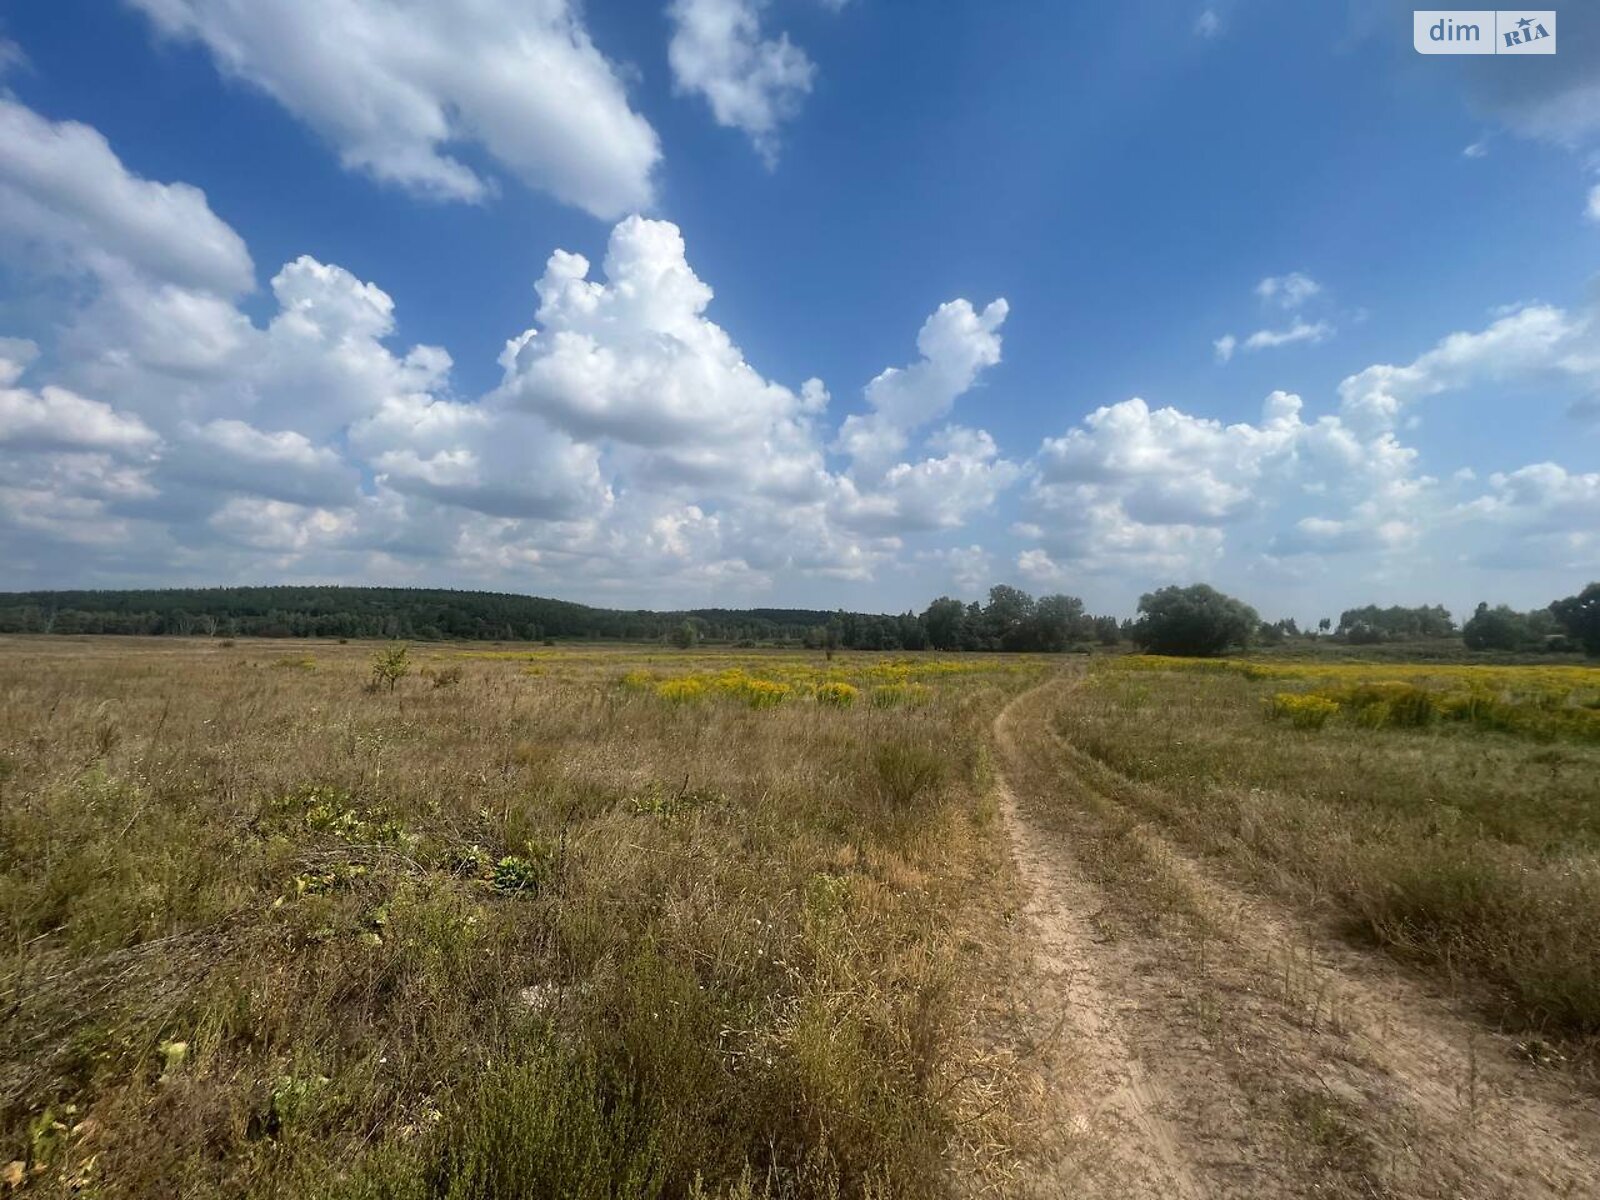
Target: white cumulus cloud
x=393, y=85
x=752, y=82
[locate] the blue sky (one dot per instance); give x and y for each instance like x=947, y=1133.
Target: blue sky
x=1093, y=300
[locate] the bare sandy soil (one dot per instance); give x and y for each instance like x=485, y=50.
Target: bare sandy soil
x=1197, y=1040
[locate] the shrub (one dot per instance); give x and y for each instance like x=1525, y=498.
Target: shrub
x=447, y=677
x=1303, y=711
x=839, y=695
x=390, y=666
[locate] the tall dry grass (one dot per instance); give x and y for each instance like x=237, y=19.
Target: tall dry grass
x=1471, y=849
x=515, y=929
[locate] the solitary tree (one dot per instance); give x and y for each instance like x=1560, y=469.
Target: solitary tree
x=391, y=666
x=1193, y=621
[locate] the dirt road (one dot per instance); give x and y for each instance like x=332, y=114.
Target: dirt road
x=1203, y=1041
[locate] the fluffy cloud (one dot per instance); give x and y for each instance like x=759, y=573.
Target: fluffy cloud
x=66, y=198
x=628, y=440
x=1530, y=344
x=392, y=86
x=631, y=451
x=963, y=476
x=956, y=343
x=1593, y=208
x=633, y=359
x=1135, y=488
x=752, y=83
x=1540, y=517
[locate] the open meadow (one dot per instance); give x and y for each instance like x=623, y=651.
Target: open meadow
x=553, y=922
x=476, y=922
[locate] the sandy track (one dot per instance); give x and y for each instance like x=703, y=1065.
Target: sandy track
x=1261, y=1057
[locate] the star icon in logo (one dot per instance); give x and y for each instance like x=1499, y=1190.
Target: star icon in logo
x=1525, y=22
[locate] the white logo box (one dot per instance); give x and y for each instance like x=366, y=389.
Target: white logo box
x=1484, y=30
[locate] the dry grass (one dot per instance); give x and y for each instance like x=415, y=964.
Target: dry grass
x=522, y=927
x=1471, y=847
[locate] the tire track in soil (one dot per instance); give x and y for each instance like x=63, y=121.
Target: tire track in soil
x=1267, y=1058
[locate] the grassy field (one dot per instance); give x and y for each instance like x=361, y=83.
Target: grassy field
x=557, y=922
x=1448, y=813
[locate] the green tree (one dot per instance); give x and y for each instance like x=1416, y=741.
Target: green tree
x=1498, y=628
x=943, y=620
x=1580, y=617
x=390, y=666
x=1007, y=618
x=1193, y=621
x=1057, y=622
x=685, y=636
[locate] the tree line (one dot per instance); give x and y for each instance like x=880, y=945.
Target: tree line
x=1194, y=620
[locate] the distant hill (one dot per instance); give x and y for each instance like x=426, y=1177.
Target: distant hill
x=424, y=614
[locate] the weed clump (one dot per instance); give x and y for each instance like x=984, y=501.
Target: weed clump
x=518, y=875
x=908, y=772
x=838, y=695
x=1303, y=711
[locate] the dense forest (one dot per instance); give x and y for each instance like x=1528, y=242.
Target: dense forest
x=359, y=612
x=1012, y=619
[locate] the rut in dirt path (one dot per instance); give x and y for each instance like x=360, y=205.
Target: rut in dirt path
x=1262, y=1058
